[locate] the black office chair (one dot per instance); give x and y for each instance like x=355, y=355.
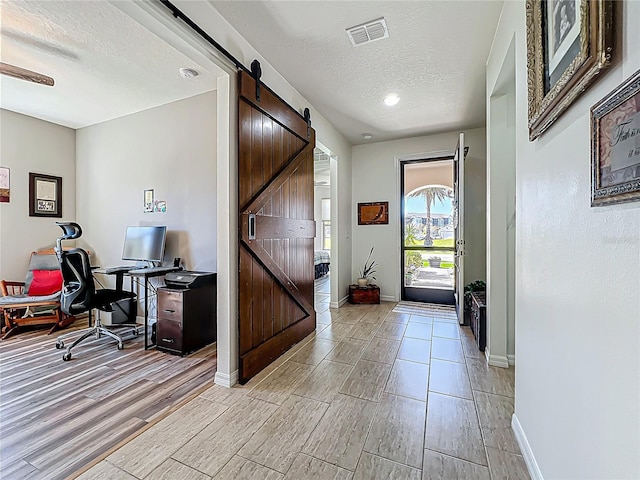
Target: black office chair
x=79, y=294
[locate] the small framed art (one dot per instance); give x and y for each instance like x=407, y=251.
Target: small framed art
x=373, y=213
x=148, y=200
x=45, y=195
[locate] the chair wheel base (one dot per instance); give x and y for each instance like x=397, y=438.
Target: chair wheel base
x=120, y=346
x=59, y=345
x=66, y=357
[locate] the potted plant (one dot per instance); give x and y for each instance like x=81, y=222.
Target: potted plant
x=475, y=286
x=434, y=261
x=367, y=271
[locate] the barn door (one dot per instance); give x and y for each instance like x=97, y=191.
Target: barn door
x=275, y=183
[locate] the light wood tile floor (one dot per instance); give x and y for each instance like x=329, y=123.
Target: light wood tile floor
x=388, y=392
x=56, y=416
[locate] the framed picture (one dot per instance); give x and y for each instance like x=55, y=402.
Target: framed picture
x=5, y=185
x=45, y=195
x=568, y=43
x=148, y=200
x=615, y=145
x=160, y=206
x=374, y=213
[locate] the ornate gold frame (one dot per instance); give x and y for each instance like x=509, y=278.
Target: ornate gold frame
x=596, y=49
x=620, y=103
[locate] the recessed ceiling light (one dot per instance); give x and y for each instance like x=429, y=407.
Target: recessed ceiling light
x=367, y=136
x=391, y=100
x=188, y=73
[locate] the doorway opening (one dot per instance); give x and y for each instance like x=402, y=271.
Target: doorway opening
x=323, y=241
x=428, y=234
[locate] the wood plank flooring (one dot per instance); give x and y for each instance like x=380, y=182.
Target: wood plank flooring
x=56, y=416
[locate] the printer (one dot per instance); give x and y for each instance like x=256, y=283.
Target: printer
x=189, y=279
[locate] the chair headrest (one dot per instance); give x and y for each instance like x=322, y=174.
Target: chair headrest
x=71, y=230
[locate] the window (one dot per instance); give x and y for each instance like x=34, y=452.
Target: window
x=326, y=224
x=326, y=235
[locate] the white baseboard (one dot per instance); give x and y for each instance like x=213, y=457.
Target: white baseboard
x=511, y=359
x=498, y=361
x=525, y=448
x=388, y=298
x=342, y=301
x=225, y=380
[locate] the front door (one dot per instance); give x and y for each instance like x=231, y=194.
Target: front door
x=277, y=230
x=428, y=241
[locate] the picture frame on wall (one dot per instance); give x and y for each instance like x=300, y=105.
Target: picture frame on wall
x=5, y=185
x=148, y=202
x=373, y=213
x=615, y=145
x=45, y=195
x=569, y=42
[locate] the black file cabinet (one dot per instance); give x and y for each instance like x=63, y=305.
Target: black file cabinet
x=186, y=319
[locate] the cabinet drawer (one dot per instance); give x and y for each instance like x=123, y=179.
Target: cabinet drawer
x=170, y=305
x=169, y=335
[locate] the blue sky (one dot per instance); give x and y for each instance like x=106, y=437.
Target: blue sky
x=416, y=205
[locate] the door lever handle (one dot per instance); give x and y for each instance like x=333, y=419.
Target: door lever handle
x=252, y=226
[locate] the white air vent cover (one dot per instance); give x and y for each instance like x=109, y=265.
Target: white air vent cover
x=368, y=32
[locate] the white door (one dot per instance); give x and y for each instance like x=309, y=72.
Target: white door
x=458, y=169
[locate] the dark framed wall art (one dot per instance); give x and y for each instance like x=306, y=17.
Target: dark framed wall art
x=45, y=195
x=373, y=213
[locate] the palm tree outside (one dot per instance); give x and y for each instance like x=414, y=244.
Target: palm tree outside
x=430, y=195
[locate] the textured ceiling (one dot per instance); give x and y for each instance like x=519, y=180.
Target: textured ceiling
x=434, y=59
x=321, y=168
x=105, y=65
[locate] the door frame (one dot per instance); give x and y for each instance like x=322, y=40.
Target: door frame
x=398, y=159
x=400, y=196
x=334, y=268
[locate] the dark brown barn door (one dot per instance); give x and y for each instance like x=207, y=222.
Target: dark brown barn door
x=275, y=181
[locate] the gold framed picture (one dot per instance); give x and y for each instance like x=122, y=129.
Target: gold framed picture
x=569, y=42
x=615, y=145
x=373, y=213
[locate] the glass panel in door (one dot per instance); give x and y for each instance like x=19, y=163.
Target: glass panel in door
x=428, y=231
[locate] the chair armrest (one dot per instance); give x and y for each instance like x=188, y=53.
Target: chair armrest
x=48, y=303
x=11, y=288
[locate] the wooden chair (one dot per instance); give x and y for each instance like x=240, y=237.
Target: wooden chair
x=20, y=309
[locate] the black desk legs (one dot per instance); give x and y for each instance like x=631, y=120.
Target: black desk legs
x=119, y=280
x=146, y=312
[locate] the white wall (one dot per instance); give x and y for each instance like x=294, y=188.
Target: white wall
x=577, y=279
x=376, y=178
x=32, y=145
x=501, y=178
x=172, y=149
x=319, y=193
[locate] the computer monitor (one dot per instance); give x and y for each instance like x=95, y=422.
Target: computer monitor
x=145, y=243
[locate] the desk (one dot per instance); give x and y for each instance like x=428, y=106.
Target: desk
x=148, y=273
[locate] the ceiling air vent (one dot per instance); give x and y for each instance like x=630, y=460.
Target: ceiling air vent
x=368, y=32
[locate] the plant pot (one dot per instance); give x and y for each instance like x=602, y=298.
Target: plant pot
x=434, y=263
x=363, y=282
x=408, y=278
